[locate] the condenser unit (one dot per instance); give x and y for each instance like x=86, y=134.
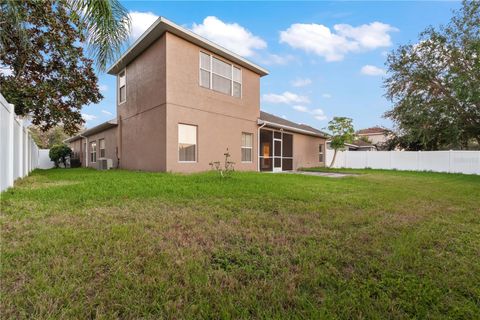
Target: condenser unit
x=105, y=164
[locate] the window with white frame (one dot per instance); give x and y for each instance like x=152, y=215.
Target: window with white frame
x=93, y=151
x=122, y=87
x=220, y=76
x=247, y=147
x=187, y=143
x=320, y=153
x=101, y=143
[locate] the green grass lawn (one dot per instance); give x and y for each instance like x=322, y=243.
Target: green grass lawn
x=82, y=244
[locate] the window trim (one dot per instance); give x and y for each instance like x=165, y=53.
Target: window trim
x=321, y=152
x=92, y=152
x=211, y=73
x=118, y=86
x=196, y=143
x=243, y=147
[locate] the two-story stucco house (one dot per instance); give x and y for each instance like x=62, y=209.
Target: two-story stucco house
x=182, y=101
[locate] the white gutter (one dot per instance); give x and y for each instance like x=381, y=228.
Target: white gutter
x=258, y=145
x=287, y=127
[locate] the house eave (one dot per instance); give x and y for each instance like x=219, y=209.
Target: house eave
x=162, y=25
x=289, y=128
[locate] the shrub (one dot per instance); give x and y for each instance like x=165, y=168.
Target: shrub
x=59, y=153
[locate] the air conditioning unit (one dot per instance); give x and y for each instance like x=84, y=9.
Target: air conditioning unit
x=105, y=164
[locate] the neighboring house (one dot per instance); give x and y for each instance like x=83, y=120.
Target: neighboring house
x=357, y=145
x=183, y=100
x=375, y=135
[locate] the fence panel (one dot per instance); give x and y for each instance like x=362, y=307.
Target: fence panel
x=19, y=154
x=44, y=161
x=467, y=162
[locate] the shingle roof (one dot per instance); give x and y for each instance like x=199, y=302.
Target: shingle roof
x=268, y=117
x=361, y=143
x=372, y=130
x=88, y=132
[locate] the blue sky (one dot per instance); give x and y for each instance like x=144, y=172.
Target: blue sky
x=325, y=59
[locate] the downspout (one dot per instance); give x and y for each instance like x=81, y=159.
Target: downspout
x=258, y=144
x=86, y=149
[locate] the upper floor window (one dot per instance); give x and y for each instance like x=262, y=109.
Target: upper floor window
x=101, y=142
x=220, y=76
x=122, y=87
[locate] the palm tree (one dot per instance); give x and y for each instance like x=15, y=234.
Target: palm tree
x=106, y=26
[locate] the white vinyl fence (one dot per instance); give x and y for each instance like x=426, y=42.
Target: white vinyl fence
x=19, y=154
x=439, y=161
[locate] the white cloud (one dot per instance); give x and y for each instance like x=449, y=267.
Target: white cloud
x=370, y=70
x=319, y=114
x=271, y=59
x=286, y=97
x=108, y=113
x=326, y=95
x=301, y=82
x=141, y=21
x=316, y=113
x=320, y=118
x=369, y=36
x=229, y=35
x=103, y=88
x=88, y=117
x=300, y=108
x=334, y=45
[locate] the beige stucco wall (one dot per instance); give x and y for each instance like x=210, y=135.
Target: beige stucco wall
x=220, y=118
x=305, y=151
x=376, y=138
x=142, y=118
x=110, y=136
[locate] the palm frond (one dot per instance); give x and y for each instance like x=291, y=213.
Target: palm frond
x=107, y=26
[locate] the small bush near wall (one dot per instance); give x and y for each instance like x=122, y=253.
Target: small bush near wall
x=59, y=154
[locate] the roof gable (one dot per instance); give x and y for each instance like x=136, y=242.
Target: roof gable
x=162, y=25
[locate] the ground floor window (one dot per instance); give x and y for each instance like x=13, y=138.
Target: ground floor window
x=320, y=153
x=93, y=151
x=187, y=143
x=247, y=147
x=101, y=143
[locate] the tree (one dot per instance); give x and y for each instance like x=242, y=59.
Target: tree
x=106, y=25
x=342, y=132
x=435, y=84
x=59, y=153
x=56, y=79
x=48, y=77
x=47, y=139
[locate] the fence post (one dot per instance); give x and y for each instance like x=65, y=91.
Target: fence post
x=10, y=144
x=449, y=161
x=418, y=159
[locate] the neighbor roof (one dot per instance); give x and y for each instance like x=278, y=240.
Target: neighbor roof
x=88, y=132
x=274, y=121
x=361, y=143
x=162, y=25
x=373, y=130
